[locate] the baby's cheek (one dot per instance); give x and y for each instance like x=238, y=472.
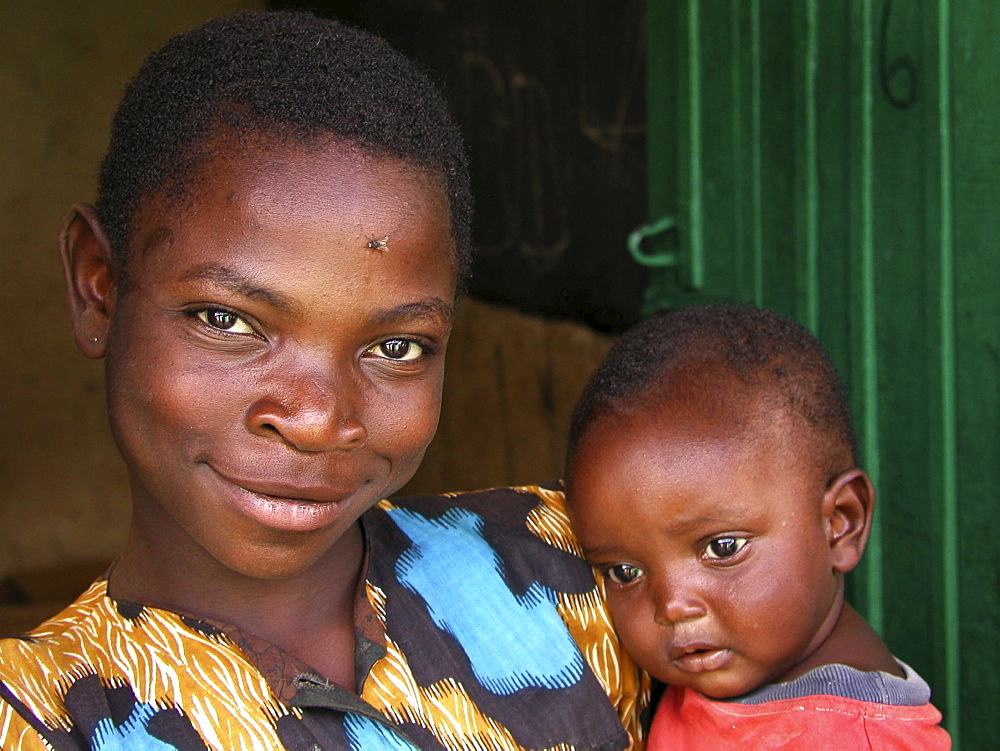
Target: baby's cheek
x=639, y=634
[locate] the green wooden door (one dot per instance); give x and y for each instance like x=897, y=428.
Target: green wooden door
x=839, y=161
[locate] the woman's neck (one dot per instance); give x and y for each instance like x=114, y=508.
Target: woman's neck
x=310, y=615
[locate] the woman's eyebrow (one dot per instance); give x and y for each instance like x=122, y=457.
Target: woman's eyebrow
x=236, y=282
x=434, y=308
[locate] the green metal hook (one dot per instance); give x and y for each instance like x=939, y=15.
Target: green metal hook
x=658, y=260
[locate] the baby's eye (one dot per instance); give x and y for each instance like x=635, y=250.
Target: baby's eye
x=724, y=547
x=223, y=320
x=401, y=350
x=623, y=573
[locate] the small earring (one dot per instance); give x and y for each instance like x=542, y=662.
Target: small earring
x=95, y=340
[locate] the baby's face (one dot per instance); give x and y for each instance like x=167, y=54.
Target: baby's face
x=275, y=364
x=712, y=548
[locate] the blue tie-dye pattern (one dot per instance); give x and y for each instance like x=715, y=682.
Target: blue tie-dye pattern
x=131, y=735
x=365, y=734
x=512, y=642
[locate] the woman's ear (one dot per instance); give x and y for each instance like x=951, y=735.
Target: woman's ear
x=89, y=272
x=848, y=506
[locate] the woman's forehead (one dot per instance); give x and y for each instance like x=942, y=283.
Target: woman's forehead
x=313, y=165
x=241, y=189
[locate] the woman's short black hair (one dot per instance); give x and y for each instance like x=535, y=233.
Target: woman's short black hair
x=288, y=76
x=770, y=356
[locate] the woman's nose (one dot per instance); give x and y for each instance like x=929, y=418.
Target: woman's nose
x=312, y=411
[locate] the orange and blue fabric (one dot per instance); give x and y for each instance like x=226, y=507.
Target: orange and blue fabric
x=478, y=626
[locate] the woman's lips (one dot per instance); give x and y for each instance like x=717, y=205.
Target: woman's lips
x=284, y=506
x=310, y=494
x=700, y=659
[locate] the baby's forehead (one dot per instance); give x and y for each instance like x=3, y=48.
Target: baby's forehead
x=755, y=423
x=750, y=415
x=710, y=391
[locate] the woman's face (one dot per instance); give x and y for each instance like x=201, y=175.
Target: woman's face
x=275, y=361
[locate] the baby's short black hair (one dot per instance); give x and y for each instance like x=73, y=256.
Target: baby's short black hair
x=771, y=357
x=290, y=77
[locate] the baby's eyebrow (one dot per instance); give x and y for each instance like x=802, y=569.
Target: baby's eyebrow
x=238, y=283
x=696, y=524
x=598, y=552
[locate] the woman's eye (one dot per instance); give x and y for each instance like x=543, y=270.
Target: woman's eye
x=623, y=573
x=223, y=320
x=724, y=547
x=401, y=350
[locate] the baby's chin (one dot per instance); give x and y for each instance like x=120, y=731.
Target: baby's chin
x=721, y=685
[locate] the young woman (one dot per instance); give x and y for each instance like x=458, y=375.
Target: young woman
x=270, y=273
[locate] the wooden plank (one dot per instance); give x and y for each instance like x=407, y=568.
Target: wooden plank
x=975, y=135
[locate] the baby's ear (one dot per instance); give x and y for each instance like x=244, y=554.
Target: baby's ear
x=848, y=505
x=89, y=272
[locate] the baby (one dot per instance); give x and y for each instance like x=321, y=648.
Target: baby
x=711, y=479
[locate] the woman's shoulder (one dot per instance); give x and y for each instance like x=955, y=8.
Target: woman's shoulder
x=38, y=669
x=538, y=509
x=53, y=638
x=501, y=501
x=107, y=669
x=526, y=526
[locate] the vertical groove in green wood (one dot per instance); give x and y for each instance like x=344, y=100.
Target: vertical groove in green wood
x=949, y=439
x=697, y=238
x=870, y=425
x=812, y=173
x=758, y=188
x=662, y=192
x=736, y=138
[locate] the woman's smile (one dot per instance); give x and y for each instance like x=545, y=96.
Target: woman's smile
x=285, y=506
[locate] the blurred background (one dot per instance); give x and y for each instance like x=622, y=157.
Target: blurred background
x=836, y=161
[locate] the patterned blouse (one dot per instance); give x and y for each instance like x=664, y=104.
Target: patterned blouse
x=478, y=626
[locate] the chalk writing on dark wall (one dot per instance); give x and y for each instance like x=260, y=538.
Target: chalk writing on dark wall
x=550, y=96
